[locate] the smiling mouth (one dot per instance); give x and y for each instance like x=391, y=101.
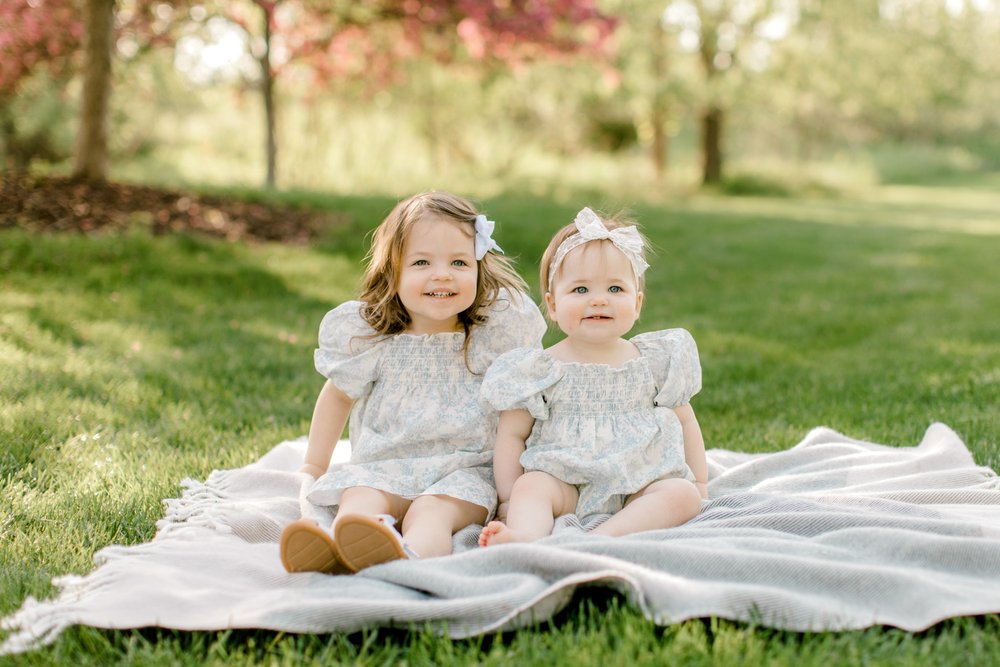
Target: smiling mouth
x=440, y=295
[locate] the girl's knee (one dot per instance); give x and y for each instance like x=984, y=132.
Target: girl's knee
x=365, y=496
x=535, y=480
x=368, y=500
x=688, y=498
x=681, y=495
x=444, y=510
x=541, y=487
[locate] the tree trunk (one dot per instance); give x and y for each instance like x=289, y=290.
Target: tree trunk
x=269, y=107
x=711, y=145
x=91, y=161
x=658, y=113
x=711, y=118
x=8, y=135
x=660, y=147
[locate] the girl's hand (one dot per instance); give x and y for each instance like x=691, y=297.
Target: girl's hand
x=313, y=470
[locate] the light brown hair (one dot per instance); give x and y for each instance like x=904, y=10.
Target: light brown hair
x=382, y=307
x=610, y=223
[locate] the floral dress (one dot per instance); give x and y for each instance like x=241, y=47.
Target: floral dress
x=417, y=425
x=608, y=431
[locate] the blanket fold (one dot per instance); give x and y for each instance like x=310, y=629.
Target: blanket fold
x=831, y=534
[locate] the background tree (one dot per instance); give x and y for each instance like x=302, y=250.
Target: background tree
x=856, y=74
x=647, y=84
x=140, y=23
x=724, y=34
x=372, y=38
x=35, y=35
x=496, y=92
x=91, y=162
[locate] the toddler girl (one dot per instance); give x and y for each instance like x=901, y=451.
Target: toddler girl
x=406, y=363
x=596, y=423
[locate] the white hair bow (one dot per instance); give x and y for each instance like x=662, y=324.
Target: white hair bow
x=484, y=237
x=590, y=228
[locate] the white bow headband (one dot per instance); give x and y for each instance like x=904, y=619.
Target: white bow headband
x=590, y=228
x=484, y=237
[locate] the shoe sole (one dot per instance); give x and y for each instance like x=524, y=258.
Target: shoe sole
x=365, y=541
x=305, y=547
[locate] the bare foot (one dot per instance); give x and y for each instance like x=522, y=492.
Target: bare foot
x=488, y=531
x=497, y=532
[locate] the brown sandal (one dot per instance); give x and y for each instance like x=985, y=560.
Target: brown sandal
x=366, y=540
x=305, y=547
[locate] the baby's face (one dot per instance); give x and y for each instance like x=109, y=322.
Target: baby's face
x=594, y=296
x=438, y=277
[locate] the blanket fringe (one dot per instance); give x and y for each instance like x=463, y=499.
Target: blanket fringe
x=39, y=623
x=34, y=625
x=200, y=505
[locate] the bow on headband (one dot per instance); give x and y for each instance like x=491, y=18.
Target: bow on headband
x=484, y=237
x=590, y=228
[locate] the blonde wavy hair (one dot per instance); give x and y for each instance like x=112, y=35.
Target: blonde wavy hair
x=382, y=307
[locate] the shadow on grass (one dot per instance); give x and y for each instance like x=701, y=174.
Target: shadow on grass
x=141, y=331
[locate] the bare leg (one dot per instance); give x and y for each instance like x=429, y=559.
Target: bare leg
x=430, y=522
x=536, y=499
x=664, y=503
x=366, y=500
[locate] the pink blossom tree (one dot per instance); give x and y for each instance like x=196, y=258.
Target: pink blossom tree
x=34, y=34
x=363, y=38
x=54, y=35
x=370, y=38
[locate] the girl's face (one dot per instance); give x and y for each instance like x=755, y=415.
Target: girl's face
x=594, y=297
x=438, y=279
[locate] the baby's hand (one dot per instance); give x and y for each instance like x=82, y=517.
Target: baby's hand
x=313, y=470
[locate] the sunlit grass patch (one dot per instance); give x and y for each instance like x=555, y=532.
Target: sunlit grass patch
x=129, y=362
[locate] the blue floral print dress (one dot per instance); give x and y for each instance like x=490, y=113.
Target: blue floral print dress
x=417, y=425
x=609, y=431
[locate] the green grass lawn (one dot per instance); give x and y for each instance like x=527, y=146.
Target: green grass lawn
x=128, y=362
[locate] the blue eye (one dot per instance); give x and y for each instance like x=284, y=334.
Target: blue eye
x=580, y=290
x=615, y=289
x=421, y=262
x=459, y=262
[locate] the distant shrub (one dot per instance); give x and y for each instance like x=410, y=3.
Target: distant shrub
x=755, y=185
x=790, y=180
x=612, y=134
x=830, y=175
x=922, y=164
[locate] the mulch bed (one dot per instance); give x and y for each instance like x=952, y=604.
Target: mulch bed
x=53, y=204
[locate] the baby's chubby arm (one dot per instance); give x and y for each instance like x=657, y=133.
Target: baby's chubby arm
x=512, y=432
x=329, y=416
x=694, y=447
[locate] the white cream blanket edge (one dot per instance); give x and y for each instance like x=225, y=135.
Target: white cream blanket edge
x=831, y=534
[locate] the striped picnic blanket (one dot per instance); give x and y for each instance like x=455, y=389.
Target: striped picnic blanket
x=833, y=533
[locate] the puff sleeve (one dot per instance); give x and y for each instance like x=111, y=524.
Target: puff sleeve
x=348, y=354
x=674, y=361
x=514, y=321
x=517, y=379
